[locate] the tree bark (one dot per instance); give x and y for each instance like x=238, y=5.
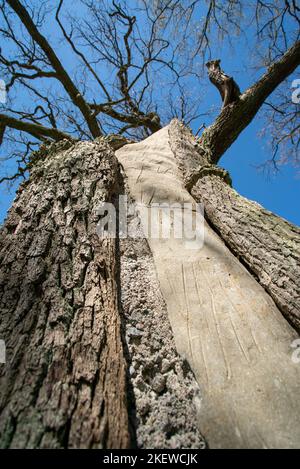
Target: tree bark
x=64, y=382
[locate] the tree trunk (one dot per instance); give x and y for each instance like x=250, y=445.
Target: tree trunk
x=64, y=382
x=76, y=308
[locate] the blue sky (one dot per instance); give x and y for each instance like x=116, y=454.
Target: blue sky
x=279, y=192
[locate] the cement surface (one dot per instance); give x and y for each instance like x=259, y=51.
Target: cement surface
x=224, y=323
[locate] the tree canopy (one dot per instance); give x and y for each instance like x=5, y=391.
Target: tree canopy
x=83, y=69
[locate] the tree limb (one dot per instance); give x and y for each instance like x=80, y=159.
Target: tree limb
x=62, y=75
x=236, y=117
x=38, y=131
x=150, y=120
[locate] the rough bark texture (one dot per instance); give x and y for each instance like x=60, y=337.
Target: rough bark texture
x=267, y=244
x=64, y=383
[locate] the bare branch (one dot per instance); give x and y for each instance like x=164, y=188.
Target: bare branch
x=61, y=73
x=234, y=118
x=39, y=131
